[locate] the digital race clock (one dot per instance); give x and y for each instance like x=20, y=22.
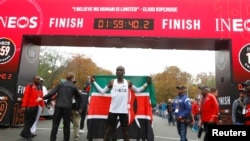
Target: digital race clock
x=124, y=24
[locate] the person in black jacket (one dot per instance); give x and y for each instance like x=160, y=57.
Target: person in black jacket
x=170, y=112
x=238, y=107
x=246, y=89
x=63, y=106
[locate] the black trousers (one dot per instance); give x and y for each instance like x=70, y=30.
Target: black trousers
x=30, y=117
x=59, y=113
x=83, y=117
x=206, y=124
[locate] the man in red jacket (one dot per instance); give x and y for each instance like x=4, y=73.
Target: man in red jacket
x=208, y=109
x=32, y=98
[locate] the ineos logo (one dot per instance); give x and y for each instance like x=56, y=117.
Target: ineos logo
x=18, y=22
x=26, y=18
x=244, y=57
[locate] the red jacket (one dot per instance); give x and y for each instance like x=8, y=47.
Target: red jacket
x=195, y=108
x=209, y=109
x=31, y=93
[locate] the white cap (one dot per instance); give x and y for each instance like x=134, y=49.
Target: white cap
x=41, y=79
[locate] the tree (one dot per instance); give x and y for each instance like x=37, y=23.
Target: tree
x=205, y=79
x=83, y=67
x=54, y=66
x=51, y=64
x=165, y=83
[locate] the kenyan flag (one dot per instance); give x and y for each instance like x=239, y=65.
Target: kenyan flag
x=140, y=110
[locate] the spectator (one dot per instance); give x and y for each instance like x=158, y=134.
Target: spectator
x=246, y=89
x=238, y=107
x=84, y=95
x=64, y=92
x=157, y=109
x=76, y=115
x=154, y=110
x=182, y=109
x=215, y=92
x=32, y=98
x=195, y=115
x=209, y=109
x=160, y=109
x=40, y=110
x=163, y=110
x=170, y=112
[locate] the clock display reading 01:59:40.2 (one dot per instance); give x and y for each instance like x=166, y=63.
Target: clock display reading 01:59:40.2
x=126, y=24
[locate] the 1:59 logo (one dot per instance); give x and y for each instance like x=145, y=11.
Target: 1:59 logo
x=7, y=50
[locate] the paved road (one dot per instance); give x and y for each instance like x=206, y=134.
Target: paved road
x=162, y=132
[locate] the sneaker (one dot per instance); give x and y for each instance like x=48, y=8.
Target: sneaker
x=81, y=131
x=194, y=130
x=33, y=135
x=25, y=138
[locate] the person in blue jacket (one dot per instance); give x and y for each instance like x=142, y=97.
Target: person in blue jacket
x=182, y=110
x=163, y=110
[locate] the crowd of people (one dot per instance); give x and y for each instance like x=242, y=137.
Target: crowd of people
x=181, y=111
x=71, y=106
x=204, y=110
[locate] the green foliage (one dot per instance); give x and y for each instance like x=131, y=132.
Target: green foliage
x=54, y=66
x=166, y=82
x=51, y=64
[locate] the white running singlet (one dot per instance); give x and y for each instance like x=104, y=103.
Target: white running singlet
x=119, y=97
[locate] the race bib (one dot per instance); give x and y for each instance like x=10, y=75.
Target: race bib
x=176, y=110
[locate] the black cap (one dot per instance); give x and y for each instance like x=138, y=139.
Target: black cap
x=246, y=83
x=181, y=87
x=204, y=88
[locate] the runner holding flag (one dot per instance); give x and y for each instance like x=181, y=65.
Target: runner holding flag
x=119, y=90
